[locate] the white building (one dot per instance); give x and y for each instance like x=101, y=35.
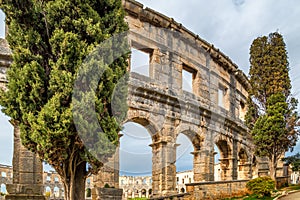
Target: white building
x=183, y=178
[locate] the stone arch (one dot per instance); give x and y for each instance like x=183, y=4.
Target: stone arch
x=224, y=147
x=243, y=164
x=146, y=121
x=193, y=133
x=226, y=161
x=136, y=132
x=243, y=156
x=48, y=191
x=195, y=138
x=144, y=193
x=152, y=123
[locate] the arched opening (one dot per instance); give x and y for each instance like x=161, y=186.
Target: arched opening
x=6, y=140
x=3, y=188
x=243, y=165
x=135, y=152
x=144, y=193
x=254, y=170
x=129, y=193
x=217, y=164
x=48, y=191
x=182, y=190
x=150, y=191
x=187, y=158
x=56, y=191
x=137, y=192
x=225, y=164
x=88, y=192
x=184, y=158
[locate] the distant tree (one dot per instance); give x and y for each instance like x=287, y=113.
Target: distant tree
x=271, y=116
x=50, y=41
x=88, y=192
x=294, y=161
x=48, y=194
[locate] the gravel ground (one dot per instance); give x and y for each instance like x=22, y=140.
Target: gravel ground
x=293, y=196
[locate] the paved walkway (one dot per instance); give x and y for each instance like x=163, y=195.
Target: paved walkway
x=293, y=196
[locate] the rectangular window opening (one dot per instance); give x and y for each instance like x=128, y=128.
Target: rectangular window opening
x=222, y=92
x=139, y=62
x=188, y=76
x=243, y=110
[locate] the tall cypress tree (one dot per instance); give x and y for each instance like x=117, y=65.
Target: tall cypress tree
x=50, y=40
x=271, y=116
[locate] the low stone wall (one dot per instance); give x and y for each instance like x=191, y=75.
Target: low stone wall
x=216, y=190
x=109, y=193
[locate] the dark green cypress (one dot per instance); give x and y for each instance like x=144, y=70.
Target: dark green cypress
x=271, y=116
x=50, y=40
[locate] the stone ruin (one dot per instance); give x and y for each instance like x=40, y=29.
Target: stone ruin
x=210, y=113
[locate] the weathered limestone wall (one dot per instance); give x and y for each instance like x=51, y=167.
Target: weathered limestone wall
x=27, y=173
x=161, y=104
x=216, y=190
x=5, y=61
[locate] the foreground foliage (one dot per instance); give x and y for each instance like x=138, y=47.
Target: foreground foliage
x=50, y=40
x=261, y=186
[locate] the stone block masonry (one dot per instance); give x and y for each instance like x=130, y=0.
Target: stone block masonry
x=216, y=190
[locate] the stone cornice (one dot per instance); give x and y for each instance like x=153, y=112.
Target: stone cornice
x=137, y=10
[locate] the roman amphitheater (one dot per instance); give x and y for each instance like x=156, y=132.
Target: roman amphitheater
x=209, y=113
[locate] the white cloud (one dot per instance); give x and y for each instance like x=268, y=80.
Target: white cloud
x=230, y=26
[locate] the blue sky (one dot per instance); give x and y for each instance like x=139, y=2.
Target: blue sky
x=231, y=26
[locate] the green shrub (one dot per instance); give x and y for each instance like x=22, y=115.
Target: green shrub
x=262, y=186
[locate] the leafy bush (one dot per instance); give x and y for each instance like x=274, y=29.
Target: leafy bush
x=262, y=186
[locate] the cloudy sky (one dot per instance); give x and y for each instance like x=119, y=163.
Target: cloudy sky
x=231, y=25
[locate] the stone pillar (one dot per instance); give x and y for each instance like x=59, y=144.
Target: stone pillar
x=244, y=171
x=203, y=165
x=27, y=173
x=227, y=166
x=109, y=174
x=234, y=159
x=163, y=168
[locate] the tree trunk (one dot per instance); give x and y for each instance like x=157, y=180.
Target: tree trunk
x=273, y=167
x=74, y=185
